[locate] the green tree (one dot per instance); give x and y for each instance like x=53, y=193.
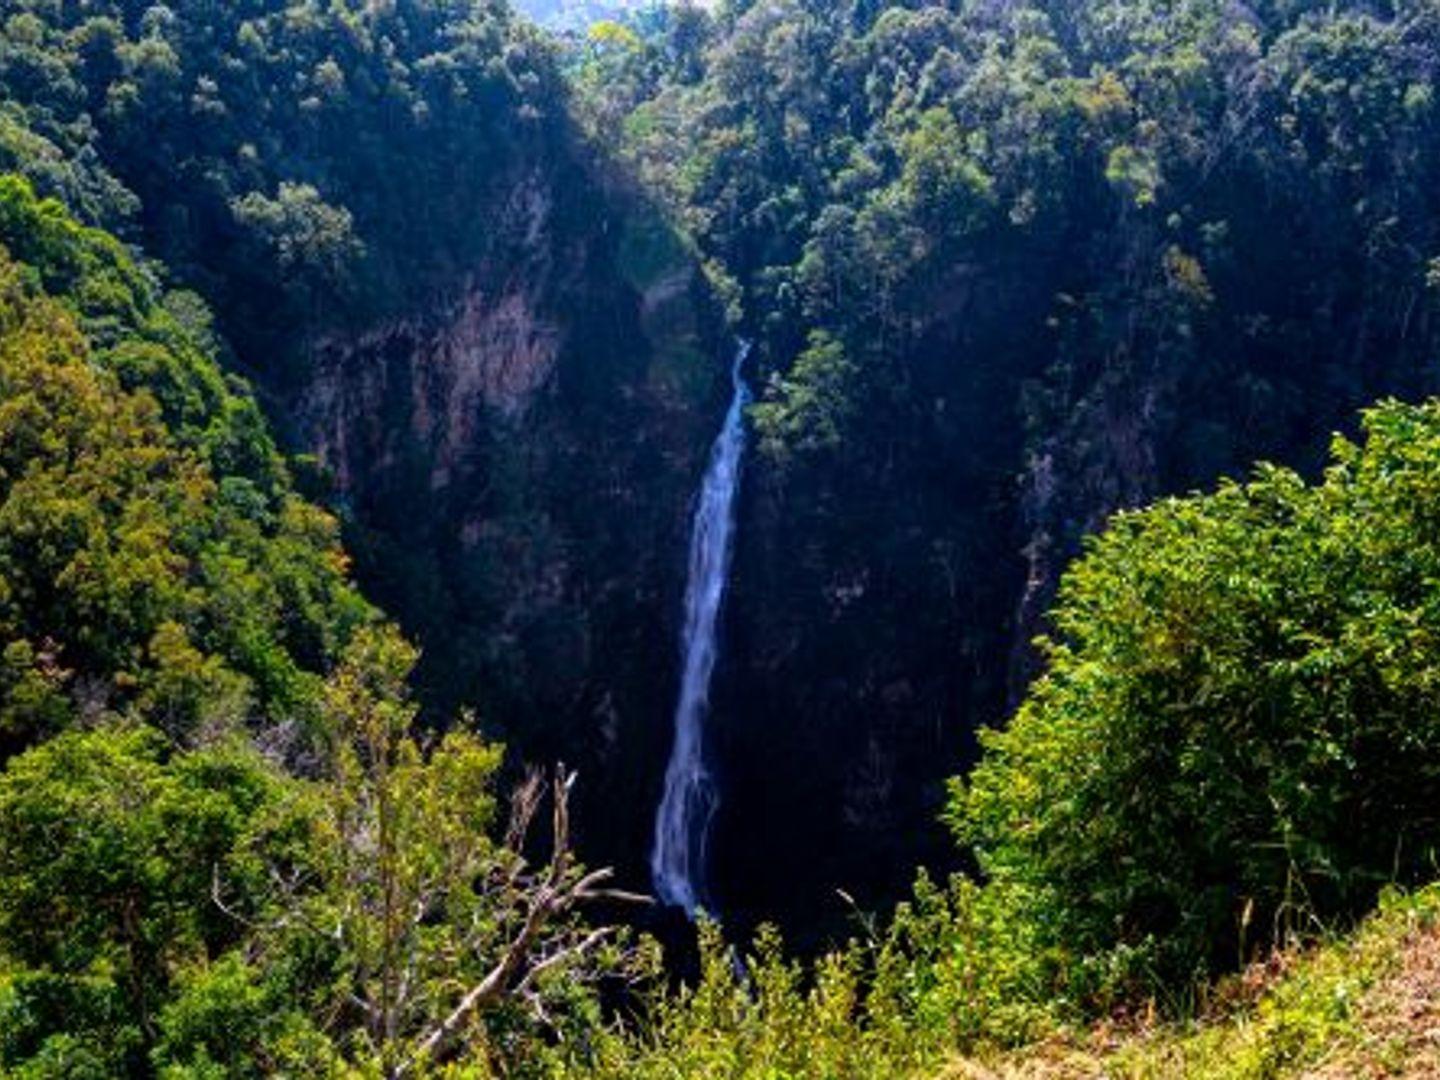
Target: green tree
x=153, y=555
x=1236, y=731
x=110, y=848
x=446, y=944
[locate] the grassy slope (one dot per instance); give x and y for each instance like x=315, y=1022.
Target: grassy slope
x=1363, y=1006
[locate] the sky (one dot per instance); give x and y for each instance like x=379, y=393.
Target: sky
x=569, y=14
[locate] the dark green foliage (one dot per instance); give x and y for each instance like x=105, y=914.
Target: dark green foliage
x=493, y=349
x=1237, y=730
x=305, y=163
x=851, y=165
x=975, y=241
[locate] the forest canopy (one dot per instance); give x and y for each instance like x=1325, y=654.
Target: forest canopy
x=253, y=145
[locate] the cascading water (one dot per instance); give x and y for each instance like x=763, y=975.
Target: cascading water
x=682, y=824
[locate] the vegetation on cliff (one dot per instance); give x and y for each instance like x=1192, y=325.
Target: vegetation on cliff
x=1010, y=267
x=254, y=145
x=155, y=556
x=1231, y=753
x=492, y=348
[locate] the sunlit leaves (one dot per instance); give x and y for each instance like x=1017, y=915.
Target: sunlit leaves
x=149, y=545
x=1238, y=710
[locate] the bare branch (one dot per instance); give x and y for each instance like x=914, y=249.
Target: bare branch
x=574, y=952
x=527, y=956
x=523, y=805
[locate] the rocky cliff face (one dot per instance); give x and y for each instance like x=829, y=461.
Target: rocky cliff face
x=887, y=596
x=1104, y=457
x=516, y=463
x=481, y=356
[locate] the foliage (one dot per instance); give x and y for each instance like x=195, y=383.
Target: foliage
x=948, y=970
x=806, y=409
x=845, y=161
x=109, y=844
x=1350, y=1007
x=1064, y=258
x=931, y=215
x=447, y=944
x=1235, y=732
x=1232, y=751
x=1330, y=1008
x=167, y=604
x=255, y=143
x=203, y=913
x=153, y=557
x=760, y=1019
x=155, y=565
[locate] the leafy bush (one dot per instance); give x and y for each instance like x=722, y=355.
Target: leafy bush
x=950, y=969
x=1239, y=728
x=108, y=850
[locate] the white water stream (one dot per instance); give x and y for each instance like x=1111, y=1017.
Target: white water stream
x=682, y=824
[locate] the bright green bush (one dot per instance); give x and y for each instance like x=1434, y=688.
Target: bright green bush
x=1239, y=728
x=109, y=850
x=765, y=1018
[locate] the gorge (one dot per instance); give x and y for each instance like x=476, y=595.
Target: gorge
x=997, y=290
x=717, y=398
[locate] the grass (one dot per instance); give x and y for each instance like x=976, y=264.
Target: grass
x=1363, y=1006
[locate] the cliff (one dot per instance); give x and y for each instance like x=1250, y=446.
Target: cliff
x=516, y=462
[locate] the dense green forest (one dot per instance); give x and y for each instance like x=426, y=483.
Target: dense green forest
x=357, y=366
x=253, y=144
x=1010, y=268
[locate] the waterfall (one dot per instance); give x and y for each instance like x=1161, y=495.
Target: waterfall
x=682, y=824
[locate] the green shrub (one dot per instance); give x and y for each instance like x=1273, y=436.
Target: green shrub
x=109, y=850
x=1239, y=728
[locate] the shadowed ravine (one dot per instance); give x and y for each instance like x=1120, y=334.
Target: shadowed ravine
x=682, y=823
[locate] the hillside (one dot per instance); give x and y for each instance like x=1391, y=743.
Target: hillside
x=1361, y=1006
x=1007, y=271
x=498, y=357
x=1010, y=268
x=157, y=559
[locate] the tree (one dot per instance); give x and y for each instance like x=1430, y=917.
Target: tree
x=313, y=242
x=152, y=550
x=109, y=845
x=806, y=410
x=1237, y=728
x=448, y=944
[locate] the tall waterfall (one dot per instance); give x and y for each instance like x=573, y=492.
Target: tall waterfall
x=682, y=824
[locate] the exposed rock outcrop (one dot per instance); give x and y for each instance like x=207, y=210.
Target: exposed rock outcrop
x=484, y=358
